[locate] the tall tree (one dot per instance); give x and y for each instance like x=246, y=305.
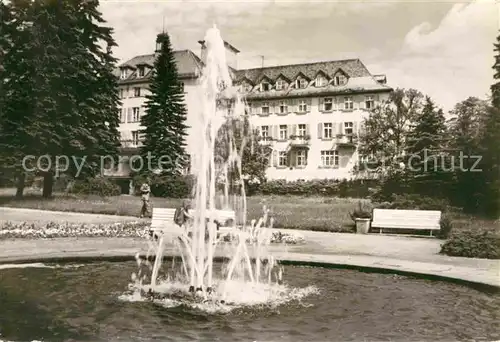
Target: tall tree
x=164, y=122
x=466, y=127
x=238, y=142
x=495, y=87
x=61, y=90
x=425, y=158
x=385, y=132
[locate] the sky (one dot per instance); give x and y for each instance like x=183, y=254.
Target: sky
x=444, y=48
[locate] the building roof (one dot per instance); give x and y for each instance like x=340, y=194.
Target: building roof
x=359, y=79
x=188, y=65
x=352, y=67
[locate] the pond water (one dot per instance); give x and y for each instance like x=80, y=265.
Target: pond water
x=87, y=303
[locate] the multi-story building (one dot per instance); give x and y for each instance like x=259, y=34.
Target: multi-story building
x=310, y=114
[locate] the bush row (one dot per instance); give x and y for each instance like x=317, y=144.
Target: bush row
x=326, y=187
x=95, y=186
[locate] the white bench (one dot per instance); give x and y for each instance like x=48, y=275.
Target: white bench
x=406, y=219
x=163, y=219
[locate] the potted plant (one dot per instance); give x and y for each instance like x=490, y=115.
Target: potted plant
x=361, y=218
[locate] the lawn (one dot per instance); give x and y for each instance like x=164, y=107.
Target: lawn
x=308, y=213
x=311, y=213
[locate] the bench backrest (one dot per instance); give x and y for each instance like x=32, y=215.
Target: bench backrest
x=410, y=219
x=162, y=217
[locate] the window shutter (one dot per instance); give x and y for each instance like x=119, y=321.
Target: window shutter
x=306, y=156
x=309, y=104
x=340, y=128
x=275, y=132
x=276, y=108
x=271, y=107
x=130, y=114
x=320, y=131
x=308, y=131
x=259, y=108
x=355, y=128
x=321, y=106
x=294, y=129
x=275, y=158
x=362, y=102
x=289, y=129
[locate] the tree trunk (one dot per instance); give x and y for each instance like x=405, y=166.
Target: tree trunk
x=21, y=179
x=48, y=182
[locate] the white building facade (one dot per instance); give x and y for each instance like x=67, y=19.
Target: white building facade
x=310, y=114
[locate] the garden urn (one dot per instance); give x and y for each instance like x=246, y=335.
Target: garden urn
x=362, y=225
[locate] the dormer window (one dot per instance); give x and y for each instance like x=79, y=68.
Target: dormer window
x=265, y=86
x=302, y=83
x=321, y=81
x=141, y=71
x=340, y=79
x=123, y=74
x=280, y=85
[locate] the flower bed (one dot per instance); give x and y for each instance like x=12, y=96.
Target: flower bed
x=25, y=230
x=276, y=237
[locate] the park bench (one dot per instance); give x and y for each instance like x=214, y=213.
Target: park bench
x=163, y=219
x=406, y=219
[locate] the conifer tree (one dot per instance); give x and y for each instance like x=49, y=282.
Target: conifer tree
x=164, y=124
x=426, y=141
x=61, y=90
x=495, y=87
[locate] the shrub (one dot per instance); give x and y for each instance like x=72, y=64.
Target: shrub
x=446, y=225
x=95, y=186
x=415, y=202
x=173, y=186
x=325, y=187
x=473, y=244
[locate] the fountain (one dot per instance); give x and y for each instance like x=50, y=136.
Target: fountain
x=197, y=249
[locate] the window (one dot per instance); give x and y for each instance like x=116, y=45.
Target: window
x=327, y=130
x=123, y=74
x=348, y=104
x=348, y=128
x=301, y=158
x=283, y=132
x=282, y=160
x=329, y=158
x=140, y=71
x=135, y=115
x=301, y=130
x=302, y=106
x=283, y=108
x=135, y=137
x=137, y=92
x=230, y=108
x=328, y=104
x=369, y=103
x=280, y=84
x=320, y=81
x=264, y=86
x=264, y=132
x=265, y=108
x=340, y=80
x=302, y=83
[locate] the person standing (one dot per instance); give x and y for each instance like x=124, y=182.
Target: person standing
x=145, y=192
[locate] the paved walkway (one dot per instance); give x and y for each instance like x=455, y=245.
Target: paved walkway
x=408, y=254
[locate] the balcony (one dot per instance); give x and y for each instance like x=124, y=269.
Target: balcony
x=299, y=140
x=347, y=140
x=266, y=141
x=130, y=145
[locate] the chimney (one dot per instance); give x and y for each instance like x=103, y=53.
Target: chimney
x=231, y=54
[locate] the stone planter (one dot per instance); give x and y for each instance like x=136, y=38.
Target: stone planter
x=362, y=225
